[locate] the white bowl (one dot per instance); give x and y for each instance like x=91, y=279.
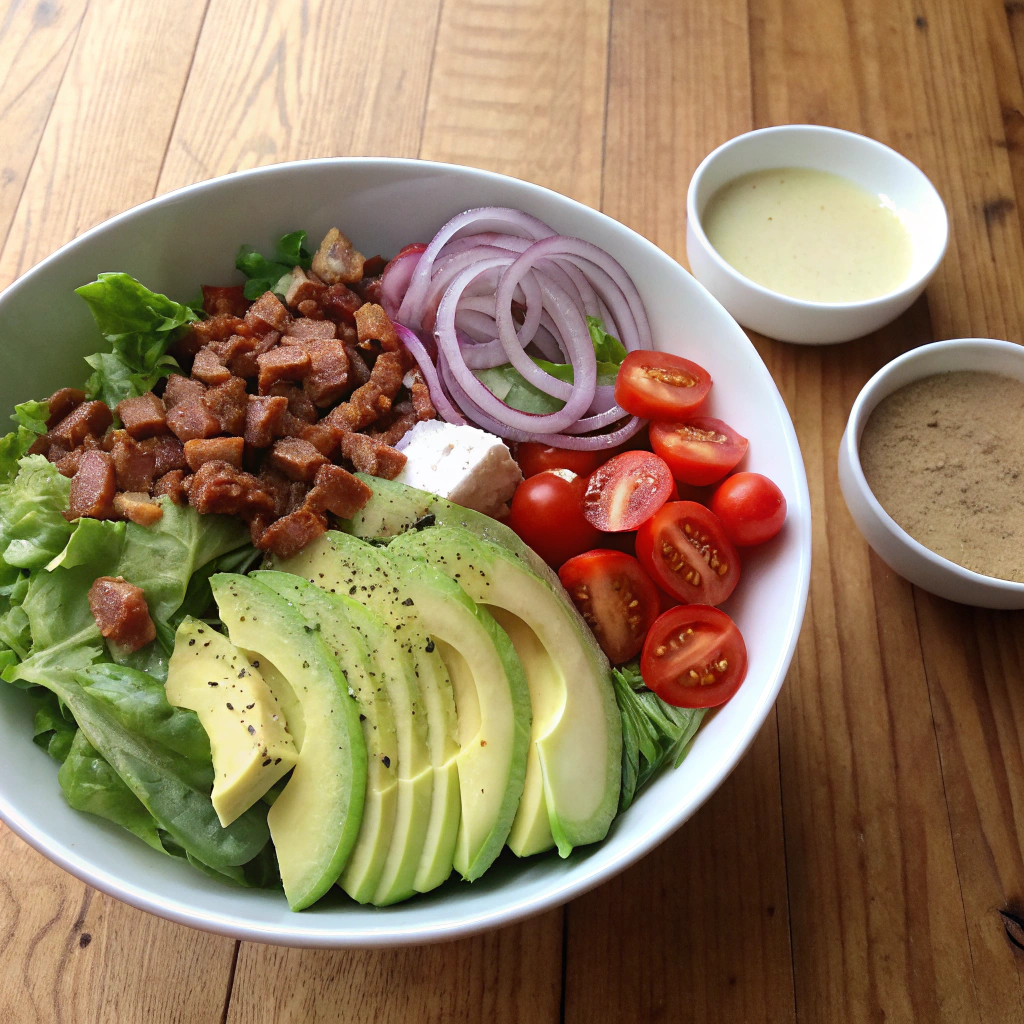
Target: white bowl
x=864, y=161
x=893, y=544
x=186, y=238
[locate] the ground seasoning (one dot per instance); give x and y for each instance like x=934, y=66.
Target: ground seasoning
x=944, y=456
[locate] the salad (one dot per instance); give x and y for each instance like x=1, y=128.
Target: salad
x=360, y=572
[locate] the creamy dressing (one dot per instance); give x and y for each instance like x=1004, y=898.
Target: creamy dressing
x=809, y=234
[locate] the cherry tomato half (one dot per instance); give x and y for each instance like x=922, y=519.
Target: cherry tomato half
x=412, y=247
x=626, y=491
x=751, y=508
x=699, y=451
x=615, y=597
x=547, y=514
x=694, y=657
x=685, y=550
x=659, y=386
x=534, y=458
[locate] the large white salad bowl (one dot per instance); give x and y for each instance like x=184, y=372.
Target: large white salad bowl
x=190, y=237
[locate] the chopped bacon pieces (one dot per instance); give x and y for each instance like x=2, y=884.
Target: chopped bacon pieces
x=88, y=419
x=420, y=393
x=286, y=362
x=300, y=404
x=229, y=402
x=93, y=487
x=121, y=612
x=134, y=464
x=337, y=261
x=175, y=485
x=214, y=449
x=302, y=289
x=288, y=535
x=374, y=398
x=217, y=487
x=373, y=324
x=327, y=379
x=230, y=301
x=138, y=507
x=296, y=458
x=209, y=367
x=264, y=417
x=267, y=313
x=337, y=490
x=169, y=452
x=370, y=455
x=143, y=416
x=306, y=328
x=191, y=419
x=61, y=403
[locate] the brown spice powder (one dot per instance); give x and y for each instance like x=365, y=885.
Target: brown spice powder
x=944, y=457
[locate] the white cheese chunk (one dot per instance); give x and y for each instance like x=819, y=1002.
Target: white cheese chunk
x=468, y=466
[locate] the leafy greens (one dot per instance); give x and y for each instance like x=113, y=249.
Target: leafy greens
x=263, y=274
x=140, y=326
x=653, y=733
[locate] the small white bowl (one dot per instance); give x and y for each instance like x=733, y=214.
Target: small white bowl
x=864, y=161
x=911, y=559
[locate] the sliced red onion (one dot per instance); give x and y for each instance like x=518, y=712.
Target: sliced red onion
x=437, y=395
x=395, y=280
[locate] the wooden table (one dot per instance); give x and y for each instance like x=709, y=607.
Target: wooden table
x=862, y=861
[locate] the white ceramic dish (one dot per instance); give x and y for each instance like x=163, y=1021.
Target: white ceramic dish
x=183, y=239
x=864, y=161
x=894, y=546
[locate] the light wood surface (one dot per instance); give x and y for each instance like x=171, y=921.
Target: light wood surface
x=857, y=864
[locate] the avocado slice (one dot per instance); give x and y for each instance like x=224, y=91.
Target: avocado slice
x=346, y=626
x=315, y=821
x=492, y=700
x=345, y=565
x=396, y=508
x=577, y=730
x=211, y=676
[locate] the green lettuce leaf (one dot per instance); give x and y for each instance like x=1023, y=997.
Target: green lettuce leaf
x=31, y=418
x=53, y=728
x=33, y=529
x=653, y=733
x=607, y=347
x=264, y=275
x=140, y=326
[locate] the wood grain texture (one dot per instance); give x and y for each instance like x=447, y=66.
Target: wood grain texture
x=286, y=81
x=69, y=954
x=504, y=977
x=36, y=41
x=519, y=88
x=105, y=139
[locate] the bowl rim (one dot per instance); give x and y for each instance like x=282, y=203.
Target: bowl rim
x=294, y=933
x=911, y=286
x=865, y=404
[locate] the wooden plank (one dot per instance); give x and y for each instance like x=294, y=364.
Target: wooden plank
x=520, y=88
x=68, y=953
x=699, y=930
x=505, y=977
x=279, y=81
x=106, y=136
x=874, y=837
x=37, y=42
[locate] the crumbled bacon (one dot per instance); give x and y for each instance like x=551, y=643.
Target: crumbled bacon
x=169, y=453
x=337, y=490
x=374, y=398
x=327, y=379
x=302, y=289
x=93, y=487
x=263, y=419
x=209, y=367
x=61, y=403
x=398, y=428
x=134, y=464
x=300, y=404
x=191, y=419
x=143, y=416
x=229, y=402
x=370, y=455
x=337, y=261
x=174, y=485
x=267, y=313
x=373, y=324
x=217, y=487
x=90, y=418
x=138, y=507
x=214, y=449
x=420, y=393
x=121, y=612
x=286, y=362
x=291, y=533
x=296, y=458
x=306, y=328
x=230, y=300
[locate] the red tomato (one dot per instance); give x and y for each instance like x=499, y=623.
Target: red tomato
x=547, y=513
x=230, y=299
x=615, y=597
x=534, y=458
x=658, y=386
x=699, y=451
x=752, y=509
x=694, y=657
x=686, y=552
x=627, y=490
x=410, y=248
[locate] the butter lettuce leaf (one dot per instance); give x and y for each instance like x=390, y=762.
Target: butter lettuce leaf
x=33, y=529
x=263, y=274
x=140, y=326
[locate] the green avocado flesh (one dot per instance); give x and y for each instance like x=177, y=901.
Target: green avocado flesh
x=345, y=565
x=493, y=704
x=212, y=677
x=576, y=738
x=352, y=633
x=316, y=820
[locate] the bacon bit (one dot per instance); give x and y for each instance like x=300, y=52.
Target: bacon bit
x=209, y=367
x=297, y=459
x=369, y=455
x=222, y=449
x=291, y=533
x=89, y=418
x=138, y=507
x=267, y=313
x=62, y=403
x=264, y=418
x=143, y=416
x=373, y=324
x=337, y=261
x=337, y=490
x=289, y=362
x=93, y=487
x=121, y=612
x=174, y=484
x=220, y=301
